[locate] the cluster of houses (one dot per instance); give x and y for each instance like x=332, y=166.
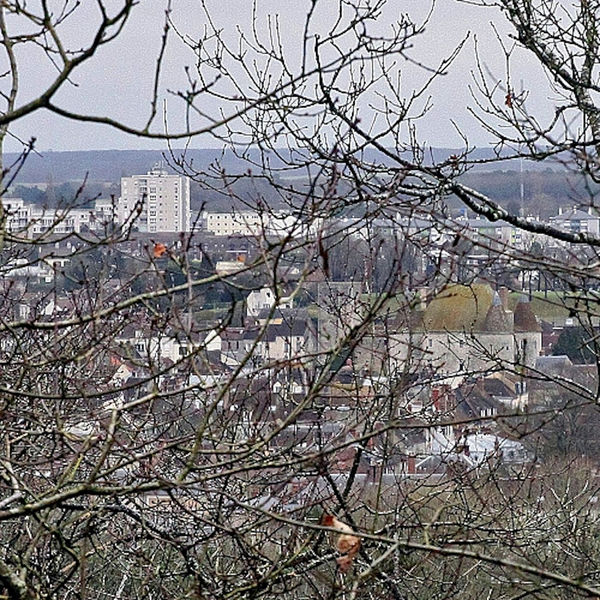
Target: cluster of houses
x=349, y=368
x=462, y=356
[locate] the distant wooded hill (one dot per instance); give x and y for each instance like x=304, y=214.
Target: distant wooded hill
x=105, y=165
x=544, y=189
x=111, y=165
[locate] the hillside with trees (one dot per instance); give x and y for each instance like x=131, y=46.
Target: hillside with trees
x=545, y=188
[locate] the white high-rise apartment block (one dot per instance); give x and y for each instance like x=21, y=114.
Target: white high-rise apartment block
x=164, y=200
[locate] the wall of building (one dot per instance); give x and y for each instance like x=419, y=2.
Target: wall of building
x=461, y=352
x=234, y=223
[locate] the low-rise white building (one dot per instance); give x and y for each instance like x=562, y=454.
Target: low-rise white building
x=258, y=224
x=29, y=220
x=575, y=220
x=246, y=223
x=32, y=220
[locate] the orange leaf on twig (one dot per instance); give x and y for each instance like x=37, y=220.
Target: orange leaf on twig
x=159, y=250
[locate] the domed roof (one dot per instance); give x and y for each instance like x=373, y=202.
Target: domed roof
x=459, y=308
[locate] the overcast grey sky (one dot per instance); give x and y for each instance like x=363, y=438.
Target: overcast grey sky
x=118, y=81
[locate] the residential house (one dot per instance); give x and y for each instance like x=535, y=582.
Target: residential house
x=575, y=220
x=264, y=299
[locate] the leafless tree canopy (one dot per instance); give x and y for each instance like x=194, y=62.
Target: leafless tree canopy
x=378, y=383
